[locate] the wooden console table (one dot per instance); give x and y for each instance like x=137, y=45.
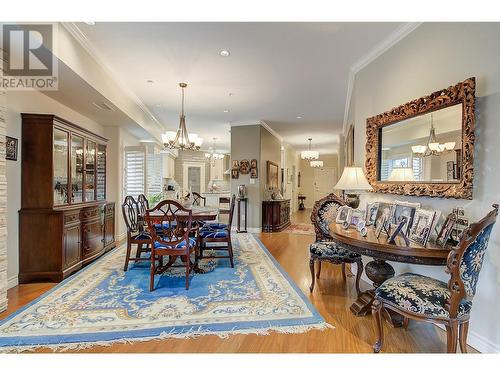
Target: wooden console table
x=275, y=215
x=378, y=270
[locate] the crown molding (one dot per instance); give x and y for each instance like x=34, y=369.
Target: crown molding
x=244, y=123
x=378, y=50
x=258, y=122
x=271, y=130
x=82, y=39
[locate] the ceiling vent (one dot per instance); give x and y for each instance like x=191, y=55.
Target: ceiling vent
x=103, y=106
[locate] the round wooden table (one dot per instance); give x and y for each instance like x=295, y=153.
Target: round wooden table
x=378, y=270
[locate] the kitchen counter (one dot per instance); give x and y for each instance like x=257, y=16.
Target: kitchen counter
x=212, y=198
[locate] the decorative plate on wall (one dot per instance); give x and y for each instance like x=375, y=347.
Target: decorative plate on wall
x=244, y=166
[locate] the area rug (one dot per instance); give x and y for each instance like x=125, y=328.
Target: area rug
x=102, y=304
x=300, y=229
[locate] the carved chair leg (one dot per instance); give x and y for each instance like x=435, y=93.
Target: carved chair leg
x=152, y=273
x=188, y=266
x=230, y=249
x=464, y=329
x=138, y=251
x=359, y=272
x=127, y=256
x=319, y=269
x=406, y=321
x=344, y=276
x=451, y=336
x=311, y=267
x=377, y=315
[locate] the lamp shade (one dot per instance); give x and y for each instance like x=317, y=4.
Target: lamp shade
x=353, y=178
x=402, y=174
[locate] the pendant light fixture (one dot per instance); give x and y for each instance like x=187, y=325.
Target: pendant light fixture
x=316, y=163
x=433, y=147
x=212, y=156
x=181, y=139
x=309, y=154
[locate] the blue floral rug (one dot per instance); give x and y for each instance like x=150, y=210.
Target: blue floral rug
x=101, y=304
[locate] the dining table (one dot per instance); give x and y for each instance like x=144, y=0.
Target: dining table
x=379, y=270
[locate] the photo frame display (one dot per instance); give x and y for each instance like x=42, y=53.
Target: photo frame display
x=404, y=209
x=343, y=214
x=445, y=232
x=356, y=217
x=422, y=226
x=371, y=213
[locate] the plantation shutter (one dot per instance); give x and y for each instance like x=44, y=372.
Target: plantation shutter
x=135, y=165
x=154, y=173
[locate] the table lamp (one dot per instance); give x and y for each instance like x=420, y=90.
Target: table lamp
x=402, y=174
x=353, y=179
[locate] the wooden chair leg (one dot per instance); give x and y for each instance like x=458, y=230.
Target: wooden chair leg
x=344, y=276
x=127, y=256
x=138, y=251
x=377, y=315
x=230, y=250
x=319, y=269
x=188, y=266
x=406, y=322
x=152, y=273
x=311, y=267
x=464, y=329
x=359, y=272
x=451, y=336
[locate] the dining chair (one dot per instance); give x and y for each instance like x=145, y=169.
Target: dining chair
x=198, y=199
x=173, y=241
x=325, y=249
x=136, y=233
x=426, y=299
x=218, y=233
x=142, y=206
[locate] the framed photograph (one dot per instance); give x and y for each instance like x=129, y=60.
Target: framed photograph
x=235, y=174
x=445, y=232
x=404, y=209
x=422, y=226
x=253, y=163
x=272, y=175
x=244, y=166
x=254, y=173
x=343, y=214
x=371, y=213
x=381, y=223
x=356, y=217
x=10, y=148
x=235, y=164
x=399, y=229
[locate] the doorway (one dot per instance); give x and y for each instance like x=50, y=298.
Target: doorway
x=325, y=179
x=193, y=177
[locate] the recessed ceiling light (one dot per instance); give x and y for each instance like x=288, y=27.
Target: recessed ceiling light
x=90, y=23
x=150, y=81
x=299, y=117
x=224, y=53
x=226, y=110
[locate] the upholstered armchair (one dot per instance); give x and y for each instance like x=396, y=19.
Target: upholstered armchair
x=424, y=298
x=325, y=249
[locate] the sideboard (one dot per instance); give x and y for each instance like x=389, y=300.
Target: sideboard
x=65, y=221
x=275, y=215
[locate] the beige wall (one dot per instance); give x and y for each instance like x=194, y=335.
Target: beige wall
x=433, y=57
x=307, y=177
x=270, y=150
x=245, y=144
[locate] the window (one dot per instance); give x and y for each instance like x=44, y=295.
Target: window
x=401, y=162
x=134, y=175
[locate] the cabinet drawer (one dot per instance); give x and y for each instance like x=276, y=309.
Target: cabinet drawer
x=90, y=213
x=109, y=209
x=71, y=217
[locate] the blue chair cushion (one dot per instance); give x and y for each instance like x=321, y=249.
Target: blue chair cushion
x=419, y=294
x=192, y=243
x=331, y=250
x=213, y=226
x=143, y=236
x=163, y=226
x=219, y=233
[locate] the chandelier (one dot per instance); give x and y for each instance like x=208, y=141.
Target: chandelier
x=212, y=156
x=309, y=154
x=181, y=140
x=316, y=163
x=433, y=147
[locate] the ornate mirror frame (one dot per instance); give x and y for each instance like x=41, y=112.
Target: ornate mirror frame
x=462, y=92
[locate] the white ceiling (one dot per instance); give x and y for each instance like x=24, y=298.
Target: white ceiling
x=276, y=72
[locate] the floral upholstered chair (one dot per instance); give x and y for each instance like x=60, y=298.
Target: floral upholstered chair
x=325, y=249
x=424, y=298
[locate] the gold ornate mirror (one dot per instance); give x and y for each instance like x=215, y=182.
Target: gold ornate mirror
x=426, y=146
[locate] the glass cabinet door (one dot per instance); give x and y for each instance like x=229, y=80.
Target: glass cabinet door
x=90, y=156
x=101, y=172
x=60, y=150
x=76, y=169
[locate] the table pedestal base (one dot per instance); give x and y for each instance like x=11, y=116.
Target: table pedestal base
x=377, y=271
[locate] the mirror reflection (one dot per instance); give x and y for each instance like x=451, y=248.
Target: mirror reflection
x=426, y=148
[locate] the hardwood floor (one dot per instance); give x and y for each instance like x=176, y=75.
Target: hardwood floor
x=332, y=297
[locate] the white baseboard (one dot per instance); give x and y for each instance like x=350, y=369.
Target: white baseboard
x=249, y=230
x=12, y=281
x=121, y=237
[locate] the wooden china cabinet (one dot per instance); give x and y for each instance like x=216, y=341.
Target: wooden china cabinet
x=65, y=221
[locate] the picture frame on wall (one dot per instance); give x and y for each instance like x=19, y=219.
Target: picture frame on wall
x=254, y=173
x=235, y=173
x=11, y=148
x=244, y=166
x=272, y=175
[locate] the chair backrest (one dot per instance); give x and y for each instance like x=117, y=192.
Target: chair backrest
x=323, y=214
x=173, y=223
x=231, y=211
x=466, y=259
x=198, y=199
x=143, y=204
x=130, y=214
